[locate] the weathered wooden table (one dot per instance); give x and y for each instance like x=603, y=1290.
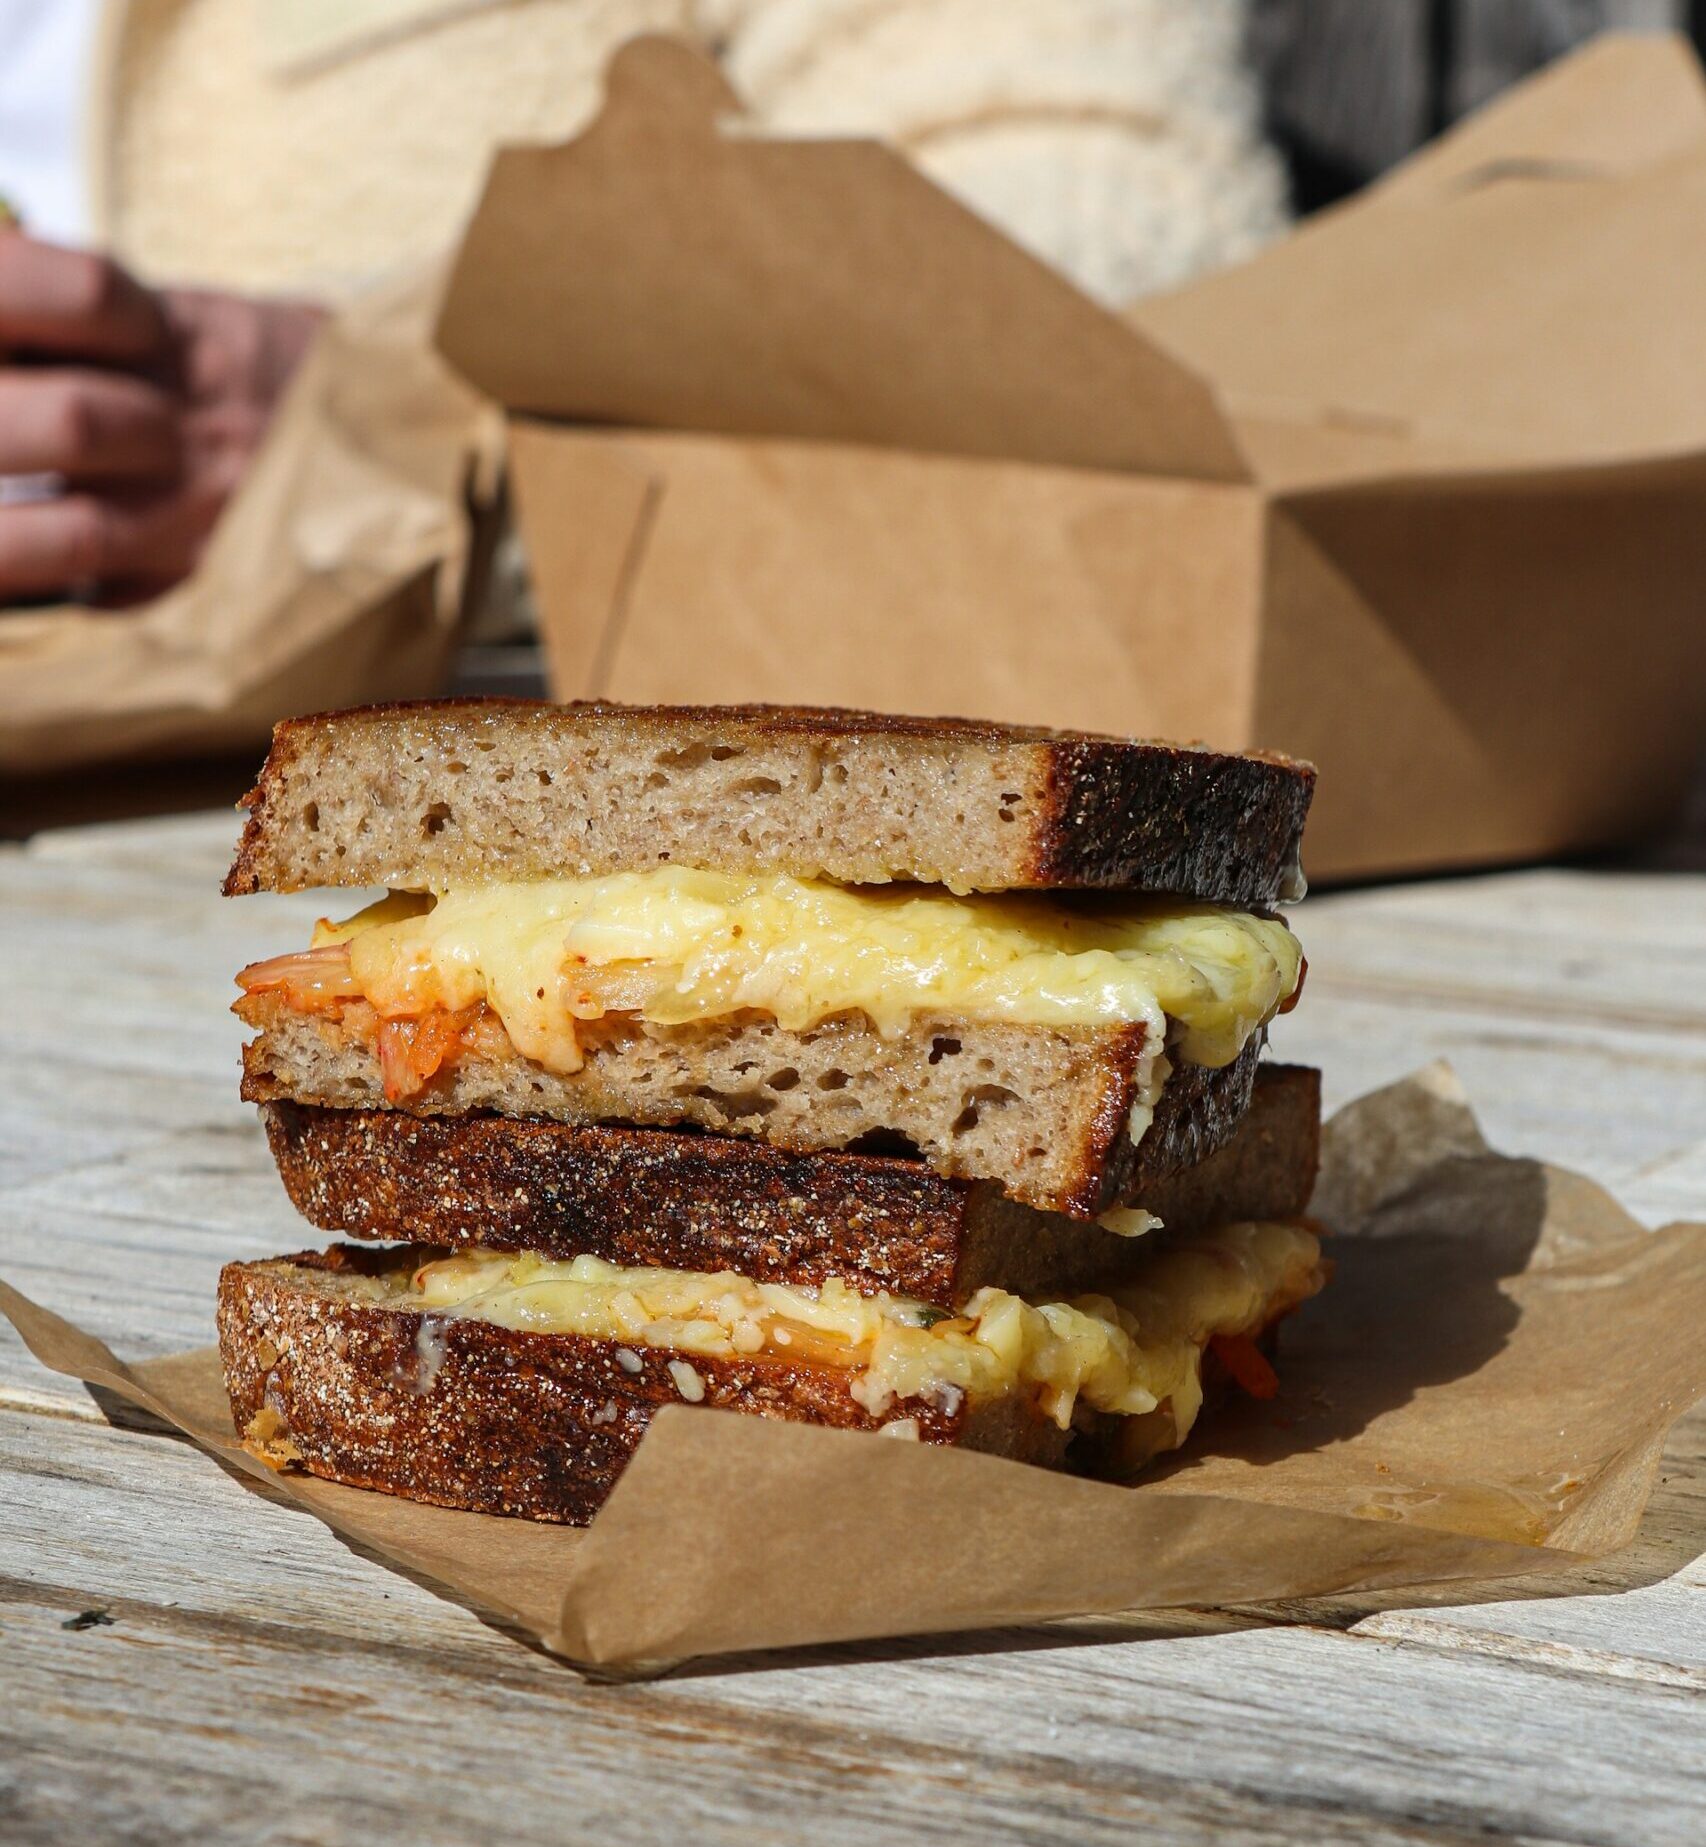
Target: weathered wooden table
x=253, y=1678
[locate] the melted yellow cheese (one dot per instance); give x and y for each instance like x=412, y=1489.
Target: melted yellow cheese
x=1129, y=1221
x=1123, y=1353
x=677, y=946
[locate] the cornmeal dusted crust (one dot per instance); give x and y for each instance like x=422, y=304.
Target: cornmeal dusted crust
x=1042, y=1111
x=709, y=1202
x=464, y=1413
x=470, y=790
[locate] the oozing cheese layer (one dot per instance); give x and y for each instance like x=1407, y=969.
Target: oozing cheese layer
x=1122, y=1353
x=677, y=946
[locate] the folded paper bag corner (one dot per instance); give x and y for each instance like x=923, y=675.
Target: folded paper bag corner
x=618, y=278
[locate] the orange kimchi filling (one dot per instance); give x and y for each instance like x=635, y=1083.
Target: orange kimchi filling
x=1251, y=1370
x=412, y=1048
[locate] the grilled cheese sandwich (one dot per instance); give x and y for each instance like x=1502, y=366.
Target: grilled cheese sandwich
x=625, y=950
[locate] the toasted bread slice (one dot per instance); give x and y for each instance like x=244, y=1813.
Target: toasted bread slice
x=710, y=1202
x=326, y=1373
x=333, y=1365
x=1043, y=1111
x=453, y=792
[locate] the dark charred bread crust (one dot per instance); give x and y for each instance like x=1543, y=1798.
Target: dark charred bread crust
x=464, y=1413
x=1199, y=1111
x=1137, y=817
x=670, y=1197
x=1265, y=1168
x=1069, y=1151
x=1080, y=1164
x=707, y=1202
x=1088, y=812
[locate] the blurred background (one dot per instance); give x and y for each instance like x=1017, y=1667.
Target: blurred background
x=200, y=532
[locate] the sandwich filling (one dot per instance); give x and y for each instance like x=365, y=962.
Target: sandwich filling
x=677, y=947
x=1123, y=1353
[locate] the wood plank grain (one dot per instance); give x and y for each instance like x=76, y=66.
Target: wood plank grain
x=1606, y=1103
x=249, y=1651
x=1672, y=1186
x=1568, y=1001
x=262, y=1677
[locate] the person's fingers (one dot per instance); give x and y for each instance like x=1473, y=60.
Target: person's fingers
x=219, y=430
x=64, y=546
x=51, y=547
x=238, y=347
x=76, y=304
x=86, y=426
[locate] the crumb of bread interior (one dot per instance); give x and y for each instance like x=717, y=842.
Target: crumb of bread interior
x=538, y=960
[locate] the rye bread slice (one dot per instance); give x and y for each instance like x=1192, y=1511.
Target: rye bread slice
x=326, y=1374
x=1042, y=1111
x=707, y=1202
x=464, y=791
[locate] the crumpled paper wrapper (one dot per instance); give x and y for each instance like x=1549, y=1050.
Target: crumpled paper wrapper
x=1481, y=1392
x=337, y=574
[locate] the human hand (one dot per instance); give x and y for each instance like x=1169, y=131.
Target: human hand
x=127, y=418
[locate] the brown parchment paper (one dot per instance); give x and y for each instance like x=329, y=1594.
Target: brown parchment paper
x=1481, y=1392
x=336, y=575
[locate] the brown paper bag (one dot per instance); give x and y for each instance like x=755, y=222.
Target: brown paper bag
x=1481, y=1392
x=1414, y=494
x=336, y=575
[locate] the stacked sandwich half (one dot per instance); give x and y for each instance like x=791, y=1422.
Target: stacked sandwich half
x=892, y=1074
